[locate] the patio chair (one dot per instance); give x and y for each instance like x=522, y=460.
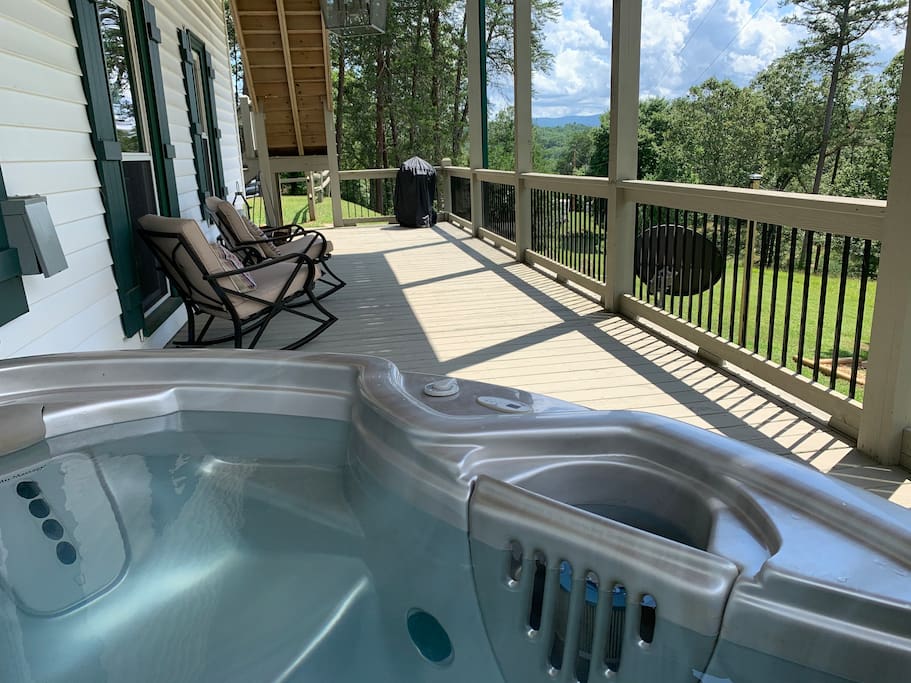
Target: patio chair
x=254, y=243
x=212, y=281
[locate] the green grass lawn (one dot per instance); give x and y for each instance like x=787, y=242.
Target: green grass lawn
x=295, y=210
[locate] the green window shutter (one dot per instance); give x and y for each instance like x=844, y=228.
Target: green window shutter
x=195, y=116
x=162, y=149
x=13, y=302
x=214, y=130
x=107, y=161
x=207, y=157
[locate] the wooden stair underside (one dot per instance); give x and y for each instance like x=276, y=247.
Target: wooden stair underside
x=286, y=59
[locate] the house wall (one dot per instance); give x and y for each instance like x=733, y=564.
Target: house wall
x=45, y=148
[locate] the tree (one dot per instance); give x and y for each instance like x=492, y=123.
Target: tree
x=654, y=124
x=836, y=30
x=715, y=135
x=501, y=140
x=866, y=164
x=406, y=92
x=598, y=165
x=234, y=57
x=794, y=99
x=576, y=153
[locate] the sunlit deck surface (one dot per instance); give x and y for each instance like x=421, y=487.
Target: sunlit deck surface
x=437, y=301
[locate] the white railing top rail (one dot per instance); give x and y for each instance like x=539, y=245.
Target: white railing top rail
x=841, y=215
x=457, y=171
x=590, y=186
x=368, y=174
x=860, y=218
x=499, y=177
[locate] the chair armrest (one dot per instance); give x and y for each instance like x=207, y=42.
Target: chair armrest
x=296, y=230
x=265, y=263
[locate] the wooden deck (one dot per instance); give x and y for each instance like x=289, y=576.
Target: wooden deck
x=437, y=301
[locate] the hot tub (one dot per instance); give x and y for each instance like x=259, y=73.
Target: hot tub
x=256, y=516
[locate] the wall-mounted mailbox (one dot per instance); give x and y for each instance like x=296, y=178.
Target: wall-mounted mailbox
x=31, y=232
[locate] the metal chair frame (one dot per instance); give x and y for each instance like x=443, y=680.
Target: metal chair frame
x=277, y=236
x=197, y=300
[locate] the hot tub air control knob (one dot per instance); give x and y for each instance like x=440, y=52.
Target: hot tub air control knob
x=442, y=387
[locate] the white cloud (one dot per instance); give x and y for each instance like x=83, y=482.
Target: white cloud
x=683, y=43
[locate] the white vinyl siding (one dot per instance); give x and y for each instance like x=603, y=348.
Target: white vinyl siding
x=206, y=21
x=46, y=149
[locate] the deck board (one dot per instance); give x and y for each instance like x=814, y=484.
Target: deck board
x=437, y=301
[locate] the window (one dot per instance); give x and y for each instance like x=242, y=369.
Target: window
x=199, y=81
x=120, y=62
x=121, y=75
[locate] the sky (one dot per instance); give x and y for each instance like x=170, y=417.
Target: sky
x=683, y=43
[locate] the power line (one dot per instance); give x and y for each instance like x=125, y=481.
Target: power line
x=687, y=41
x=731, y=42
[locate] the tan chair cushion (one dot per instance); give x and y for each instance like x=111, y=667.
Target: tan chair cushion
x=237, y=229
x=269, y=283
x=187, y=272
x=268, y=248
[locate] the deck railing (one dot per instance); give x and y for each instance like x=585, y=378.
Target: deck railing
x=781, y=285
x=791, y=299
x=796, y=297
x=367, y=195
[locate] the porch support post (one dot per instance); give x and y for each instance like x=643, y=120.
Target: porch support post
x=476, y=85
x=335, y=184
x=887, y=394
x=446, y=186
x=523, y=128
x=267, y=184
x=623, y=149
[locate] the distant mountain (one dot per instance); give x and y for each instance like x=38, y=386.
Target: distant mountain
x=590, y=121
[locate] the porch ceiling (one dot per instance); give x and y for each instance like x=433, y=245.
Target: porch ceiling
x=285, y=50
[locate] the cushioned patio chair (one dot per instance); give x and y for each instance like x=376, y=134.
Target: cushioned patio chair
x=212, y=281
x=253, y=243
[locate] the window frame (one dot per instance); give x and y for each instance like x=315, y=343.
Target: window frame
x=204, y=132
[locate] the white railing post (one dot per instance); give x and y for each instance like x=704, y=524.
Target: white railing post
x=268, y=185
x=475, y=109
x=623, y=152
x=446, y=185
x=887, y=393
x=523, y=127
x=335, y=185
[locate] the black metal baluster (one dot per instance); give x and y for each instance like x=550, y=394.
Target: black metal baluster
x=691, y=264
x=861, y=309
x=808, y=259
x=786, y=333
x=667, y=261
x=839, y=310
x=724, y=274
x=821, y=318
x=650, y=253
x=747, y=284
x=734, y=293
x=552, y=228
x=679, y=250
x=763, y=245
x=704, y=252
x=773, y=303
x=577, y=236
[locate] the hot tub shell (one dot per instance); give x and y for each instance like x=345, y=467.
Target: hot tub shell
x=758, y=568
